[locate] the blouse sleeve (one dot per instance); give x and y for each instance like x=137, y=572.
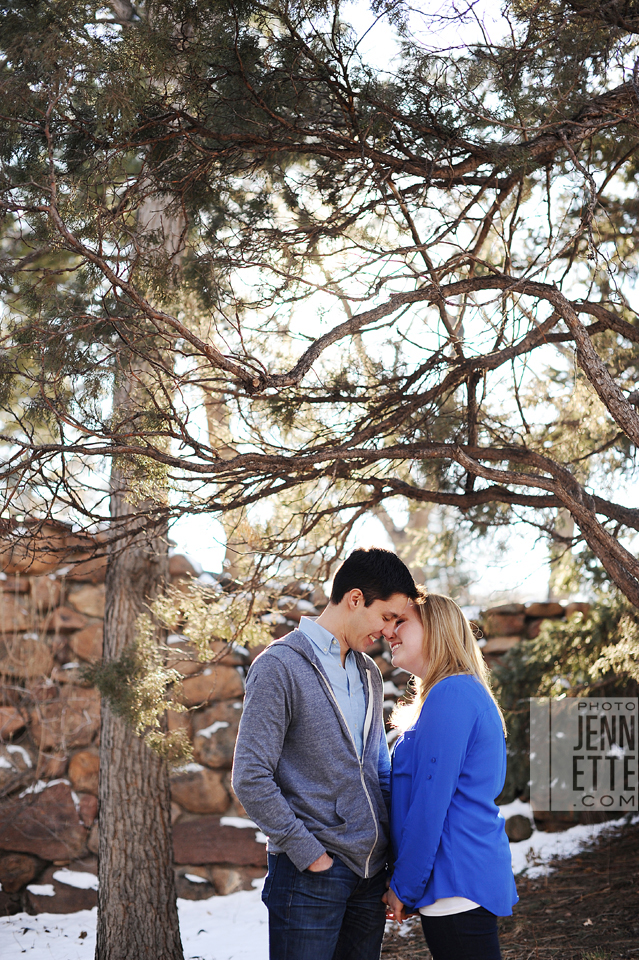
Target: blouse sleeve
x=445, y=731
x=384, y=768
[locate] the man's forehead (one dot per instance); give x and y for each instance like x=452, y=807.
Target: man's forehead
x=396, y=605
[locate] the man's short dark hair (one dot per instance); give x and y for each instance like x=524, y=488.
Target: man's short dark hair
x=377, y=573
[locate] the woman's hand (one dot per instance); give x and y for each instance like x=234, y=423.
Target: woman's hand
x=394, y=907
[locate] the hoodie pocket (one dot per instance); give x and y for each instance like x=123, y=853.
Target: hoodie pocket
x=323, y=818
x=341, y=818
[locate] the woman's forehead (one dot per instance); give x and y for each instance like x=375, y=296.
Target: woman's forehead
x=412, y=611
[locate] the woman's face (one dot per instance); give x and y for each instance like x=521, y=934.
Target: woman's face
x=407, y=646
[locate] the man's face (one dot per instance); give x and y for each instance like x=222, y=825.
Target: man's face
x=366, y=625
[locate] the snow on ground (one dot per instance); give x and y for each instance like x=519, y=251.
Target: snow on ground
x=531, y=857
x=516, y=809
x=235, y=927
x=222, y=928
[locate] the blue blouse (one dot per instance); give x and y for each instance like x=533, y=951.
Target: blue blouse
x=447, y=837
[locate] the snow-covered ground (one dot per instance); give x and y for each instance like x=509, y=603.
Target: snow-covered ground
x=531, y=857
x=222, y=928
x=235, y=927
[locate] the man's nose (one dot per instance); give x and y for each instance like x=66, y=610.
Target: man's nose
x=389, y=630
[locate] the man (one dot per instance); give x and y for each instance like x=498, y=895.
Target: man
x=312, y=767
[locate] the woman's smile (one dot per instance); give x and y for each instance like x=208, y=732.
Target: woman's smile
x=407, y=646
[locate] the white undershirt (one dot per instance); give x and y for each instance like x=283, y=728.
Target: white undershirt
x=446, y=906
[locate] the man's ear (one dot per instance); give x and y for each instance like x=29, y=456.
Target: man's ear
x=355, y=598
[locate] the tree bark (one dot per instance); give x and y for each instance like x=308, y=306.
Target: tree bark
x=560, y=554
x=137, y=908
x=137, y=911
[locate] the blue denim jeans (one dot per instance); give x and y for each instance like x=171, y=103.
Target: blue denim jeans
x=471, y=935
x=331, y=915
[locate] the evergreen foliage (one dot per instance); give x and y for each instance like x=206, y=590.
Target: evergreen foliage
x=595, y=655
x=136, y=684
x=139, y=684
x=405, y=281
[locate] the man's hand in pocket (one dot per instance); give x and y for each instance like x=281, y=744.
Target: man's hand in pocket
x=322, y=863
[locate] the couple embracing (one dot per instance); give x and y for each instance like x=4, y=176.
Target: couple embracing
x=352, y=838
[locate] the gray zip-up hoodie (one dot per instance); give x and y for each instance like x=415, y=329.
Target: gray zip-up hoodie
x=296, y=770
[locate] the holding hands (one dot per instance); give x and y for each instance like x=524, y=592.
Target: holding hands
x=394, y=907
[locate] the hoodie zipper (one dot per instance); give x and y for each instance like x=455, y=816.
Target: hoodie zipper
x=360, y=759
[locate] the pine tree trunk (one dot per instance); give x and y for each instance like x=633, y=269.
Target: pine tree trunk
x=137, y=911
x=137, y=908
x=560, y=555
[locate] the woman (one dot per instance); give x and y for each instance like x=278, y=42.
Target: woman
x=451, y=855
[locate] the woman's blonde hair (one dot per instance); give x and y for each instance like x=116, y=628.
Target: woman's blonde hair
x=450, y=648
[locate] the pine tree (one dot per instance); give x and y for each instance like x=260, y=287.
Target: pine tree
x=460, y=228
x=409, y=282
x=596, y=655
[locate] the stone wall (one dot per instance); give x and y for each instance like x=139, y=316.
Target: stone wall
x=51, y=616
x=504, y=626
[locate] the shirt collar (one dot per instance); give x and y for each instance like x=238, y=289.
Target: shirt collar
x=321, y=638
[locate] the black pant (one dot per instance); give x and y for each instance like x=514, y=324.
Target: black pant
x=471, y=935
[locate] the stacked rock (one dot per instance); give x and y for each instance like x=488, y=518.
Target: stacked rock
x=504, y=626
x=51, y=614
x=52, y=599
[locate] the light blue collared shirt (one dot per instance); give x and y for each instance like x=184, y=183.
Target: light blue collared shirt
x=346, y=682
